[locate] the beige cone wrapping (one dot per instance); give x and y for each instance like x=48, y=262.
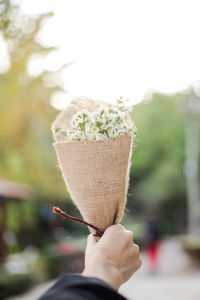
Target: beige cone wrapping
x=96, y=174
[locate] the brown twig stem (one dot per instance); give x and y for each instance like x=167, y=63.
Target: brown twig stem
x=58, y=211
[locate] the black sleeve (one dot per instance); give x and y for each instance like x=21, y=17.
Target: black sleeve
x=77, y=287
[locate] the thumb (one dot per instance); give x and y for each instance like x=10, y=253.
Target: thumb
x=90, y=240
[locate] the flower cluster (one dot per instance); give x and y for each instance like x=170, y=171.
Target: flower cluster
x=106, y=122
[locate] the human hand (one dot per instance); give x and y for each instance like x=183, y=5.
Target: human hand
x=114, y=258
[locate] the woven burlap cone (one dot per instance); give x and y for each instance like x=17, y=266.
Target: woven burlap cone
x=96, y=173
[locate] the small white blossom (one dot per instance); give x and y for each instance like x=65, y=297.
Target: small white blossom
x=106, y=122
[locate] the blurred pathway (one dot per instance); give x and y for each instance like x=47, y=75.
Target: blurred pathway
x=34, y=293
x=162, y=288
x=175, y=279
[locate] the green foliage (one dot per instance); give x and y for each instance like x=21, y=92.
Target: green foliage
x=26, y=209
x=157, y=178
x=51, y=263
x=157, y=162
x=13, y=284
x=26, y=150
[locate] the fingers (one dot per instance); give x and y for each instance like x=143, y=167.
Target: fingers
x=134, y=249
x=114, y=228
x=129, y=236
x=139, y=262
x=118, y=228
x=117, y=234
x=134, y=252
x=111, y=234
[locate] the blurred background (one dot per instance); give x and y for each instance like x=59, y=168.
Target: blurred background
x=146, y=51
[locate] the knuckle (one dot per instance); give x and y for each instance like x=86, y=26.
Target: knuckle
x=110, y=229
x=129, y=235
x=119, y=226
x=115, y=227
x=136, y=248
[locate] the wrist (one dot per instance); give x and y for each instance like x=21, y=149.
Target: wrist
x=104, y=269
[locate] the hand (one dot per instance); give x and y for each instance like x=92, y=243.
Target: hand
x=114, y=258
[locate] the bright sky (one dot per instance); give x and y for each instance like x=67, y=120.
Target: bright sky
x=122, y=47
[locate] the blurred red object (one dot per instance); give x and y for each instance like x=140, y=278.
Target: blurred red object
x=67, y=248
x=153, y=252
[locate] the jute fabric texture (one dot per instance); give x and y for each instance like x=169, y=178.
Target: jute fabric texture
x=96, y=174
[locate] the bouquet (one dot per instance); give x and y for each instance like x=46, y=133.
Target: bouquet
x=93, y=142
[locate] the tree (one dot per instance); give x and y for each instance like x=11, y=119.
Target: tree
x=26, y=150
x=157, y=178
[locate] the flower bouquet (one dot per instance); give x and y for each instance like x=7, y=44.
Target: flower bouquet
x=93, y=142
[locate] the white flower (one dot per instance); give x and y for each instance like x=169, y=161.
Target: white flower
x=106, y=122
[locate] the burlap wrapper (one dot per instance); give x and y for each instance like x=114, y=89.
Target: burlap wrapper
x=96, y=173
